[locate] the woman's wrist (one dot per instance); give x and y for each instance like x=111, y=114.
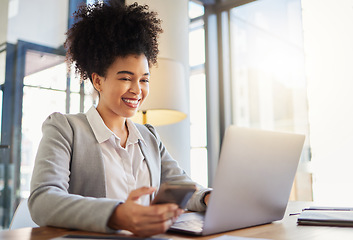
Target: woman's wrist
x=205, y=197
x=113, y=222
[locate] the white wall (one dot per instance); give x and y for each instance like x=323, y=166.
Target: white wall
x=3, y=20
x=38, y=21
x=328, y=38
x=174, y=42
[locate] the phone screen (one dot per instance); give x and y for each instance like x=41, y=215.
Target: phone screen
x=179, y=194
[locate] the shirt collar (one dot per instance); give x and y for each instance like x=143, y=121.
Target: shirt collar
x=100, y=130
x=134, y=133
x=103, y=133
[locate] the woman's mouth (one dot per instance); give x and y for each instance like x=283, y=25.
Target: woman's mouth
x=131, y=102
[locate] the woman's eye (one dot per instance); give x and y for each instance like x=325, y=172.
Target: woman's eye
x=125, y=79
x=145, y=80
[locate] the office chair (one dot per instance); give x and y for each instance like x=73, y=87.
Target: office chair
x=22, y=217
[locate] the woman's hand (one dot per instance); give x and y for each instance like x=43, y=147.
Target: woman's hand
x=143, y=220
x=206, y=198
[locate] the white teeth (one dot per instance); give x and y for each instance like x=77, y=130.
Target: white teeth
x=130, y=101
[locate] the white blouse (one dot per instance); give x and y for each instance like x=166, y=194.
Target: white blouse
x=125, y=168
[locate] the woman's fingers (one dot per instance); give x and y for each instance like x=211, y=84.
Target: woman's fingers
x=144, y=220
x=156, y=219
x=136, y=194
x=159, y=213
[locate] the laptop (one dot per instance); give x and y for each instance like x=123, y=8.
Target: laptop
x=252, y=184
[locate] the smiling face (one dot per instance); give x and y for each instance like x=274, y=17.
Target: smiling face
x=124, y=87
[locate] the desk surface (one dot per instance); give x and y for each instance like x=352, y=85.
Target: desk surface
x=286, y=229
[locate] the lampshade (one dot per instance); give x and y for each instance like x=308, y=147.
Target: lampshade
x=166, y=102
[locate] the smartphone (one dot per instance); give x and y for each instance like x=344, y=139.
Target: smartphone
x=178, y=193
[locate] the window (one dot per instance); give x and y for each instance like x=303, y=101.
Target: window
x=2, y=74
x=267, y=64
x=45, y=78
x=255, y=75
x=269, y=87
x=198, y=152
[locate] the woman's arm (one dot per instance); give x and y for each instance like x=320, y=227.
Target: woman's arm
x=50, y=202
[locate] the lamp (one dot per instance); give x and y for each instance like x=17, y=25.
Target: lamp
x=166, y=103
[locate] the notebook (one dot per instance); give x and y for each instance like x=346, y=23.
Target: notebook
x=252, y=184
x=327, y=216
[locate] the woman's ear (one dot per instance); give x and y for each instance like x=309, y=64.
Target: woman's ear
x=96, y=80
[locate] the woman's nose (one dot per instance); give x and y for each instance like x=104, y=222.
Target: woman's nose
x=135, y=87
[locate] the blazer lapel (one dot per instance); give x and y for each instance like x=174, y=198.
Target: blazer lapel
x=152, y=166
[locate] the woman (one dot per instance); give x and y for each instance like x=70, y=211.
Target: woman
x=98, y=171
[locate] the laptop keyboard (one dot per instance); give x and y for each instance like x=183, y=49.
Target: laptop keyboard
x=191, y=222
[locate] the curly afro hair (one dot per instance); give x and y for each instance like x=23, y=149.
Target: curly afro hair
x=105, y=31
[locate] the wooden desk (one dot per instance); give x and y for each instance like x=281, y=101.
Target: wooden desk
x=285, y=229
